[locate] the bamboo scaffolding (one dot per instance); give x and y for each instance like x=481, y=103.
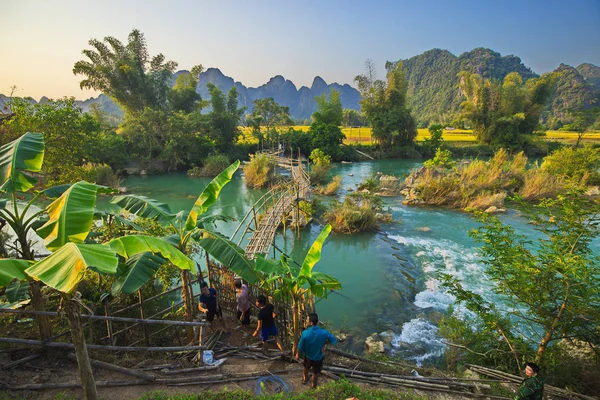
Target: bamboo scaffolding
x=98, y=346
x=109, y=318
x=111, y=367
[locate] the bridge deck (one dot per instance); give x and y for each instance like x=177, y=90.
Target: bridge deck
x=263, y=236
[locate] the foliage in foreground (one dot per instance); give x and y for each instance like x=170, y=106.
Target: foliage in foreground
x=329, y=391
x=540, y=293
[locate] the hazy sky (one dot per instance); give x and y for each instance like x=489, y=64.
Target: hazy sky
x=254, y=40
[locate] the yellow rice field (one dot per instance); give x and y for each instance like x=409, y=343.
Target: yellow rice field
x=363, y=135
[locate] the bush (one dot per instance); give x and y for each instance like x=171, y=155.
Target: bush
x=578, y=165
x=540, y=184
x=442, y=159
x=331, y=188
x=100, y=174
x=318, y=173
x=260, y=171
x=213, y=166
x=356, y=214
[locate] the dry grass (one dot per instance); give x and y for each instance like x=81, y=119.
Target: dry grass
x=358, y=213
x=259, y=172
x=474, y=186
x=331, y=188
x=540, y=184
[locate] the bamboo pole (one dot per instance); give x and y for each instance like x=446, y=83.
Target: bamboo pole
x=101, y=364
x=105, y=318
x=21, y=361
x=98, y=346
x=144, y=326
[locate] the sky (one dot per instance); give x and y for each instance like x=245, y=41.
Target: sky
x=254, y=40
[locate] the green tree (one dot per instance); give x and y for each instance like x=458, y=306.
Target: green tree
x=183, y=96
x=224, y=117
x=126, y=73
x=71, y=136
x=504, y=114
x=270, y=117
x=325, y=130
x=329, y=110
x=385, y=105
x=544, y=292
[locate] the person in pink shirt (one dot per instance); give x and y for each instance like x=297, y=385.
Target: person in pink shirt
x=243, y=304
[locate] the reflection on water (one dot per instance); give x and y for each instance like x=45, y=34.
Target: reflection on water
x=387, y=277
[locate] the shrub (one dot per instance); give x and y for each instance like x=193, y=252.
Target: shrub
x=540, y=184
x=331, y=188
x=442, y=159
x=318, y=173
x=213, y=166
x=578, y=165
x=356, y=214
x=100, y=174
x=260, y=171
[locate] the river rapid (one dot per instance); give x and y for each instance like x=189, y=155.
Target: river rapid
x=388, y=277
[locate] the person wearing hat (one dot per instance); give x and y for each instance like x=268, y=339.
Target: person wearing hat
x=532, y=387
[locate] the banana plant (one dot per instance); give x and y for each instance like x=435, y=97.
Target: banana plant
x=70, y=219
x=191, y=226
x=285, y=278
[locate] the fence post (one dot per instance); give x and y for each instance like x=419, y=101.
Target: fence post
x=108, y=323
x=145, y=327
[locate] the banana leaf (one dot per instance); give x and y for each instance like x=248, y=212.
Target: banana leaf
x=209, y=195
x=230, y=255
x=135, y=272
x=129, y=246
x=56, y=191
x=144, y=207
x=70, y=216
x=11, y=269
x=63, y=269
x=17, y=291
x=26, y=154
x=314, y=253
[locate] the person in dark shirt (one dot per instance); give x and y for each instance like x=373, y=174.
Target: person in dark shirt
x=266, y=322
x=532, y=387
x=311, y=344
x=209, y=303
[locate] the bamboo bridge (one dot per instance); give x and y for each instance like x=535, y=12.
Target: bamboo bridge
x=273, y=207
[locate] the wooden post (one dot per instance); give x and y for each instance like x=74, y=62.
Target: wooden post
x=208, y=269
x=144, y=326
x=109, y=329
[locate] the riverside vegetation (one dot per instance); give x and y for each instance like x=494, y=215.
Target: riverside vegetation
x=552, y=287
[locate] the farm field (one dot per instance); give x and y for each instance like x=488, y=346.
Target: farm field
x=363, y=135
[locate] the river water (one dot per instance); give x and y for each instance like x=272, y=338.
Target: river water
x=387, y=276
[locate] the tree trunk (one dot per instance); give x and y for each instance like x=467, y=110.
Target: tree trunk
x=38, y=302
x=88, y=384
x=188, y=301
x=548, y=335
x=295, y=323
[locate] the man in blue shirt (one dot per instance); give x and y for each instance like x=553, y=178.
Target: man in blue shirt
x=311, y=344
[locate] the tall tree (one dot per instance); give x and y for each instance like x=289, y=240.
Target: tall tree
x=183, y=96
x=225, y=117
x=325, y=130
x=385, y=105
x=503, y=114
x=126, y=73
x=266, y=117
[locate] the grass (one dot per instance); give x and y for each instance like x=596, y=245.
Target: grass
x=259, y=172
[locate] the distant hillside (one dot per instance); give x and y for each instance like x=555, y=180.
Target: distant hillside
x=284, y=92
x=573, y=92
x=433, y=79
